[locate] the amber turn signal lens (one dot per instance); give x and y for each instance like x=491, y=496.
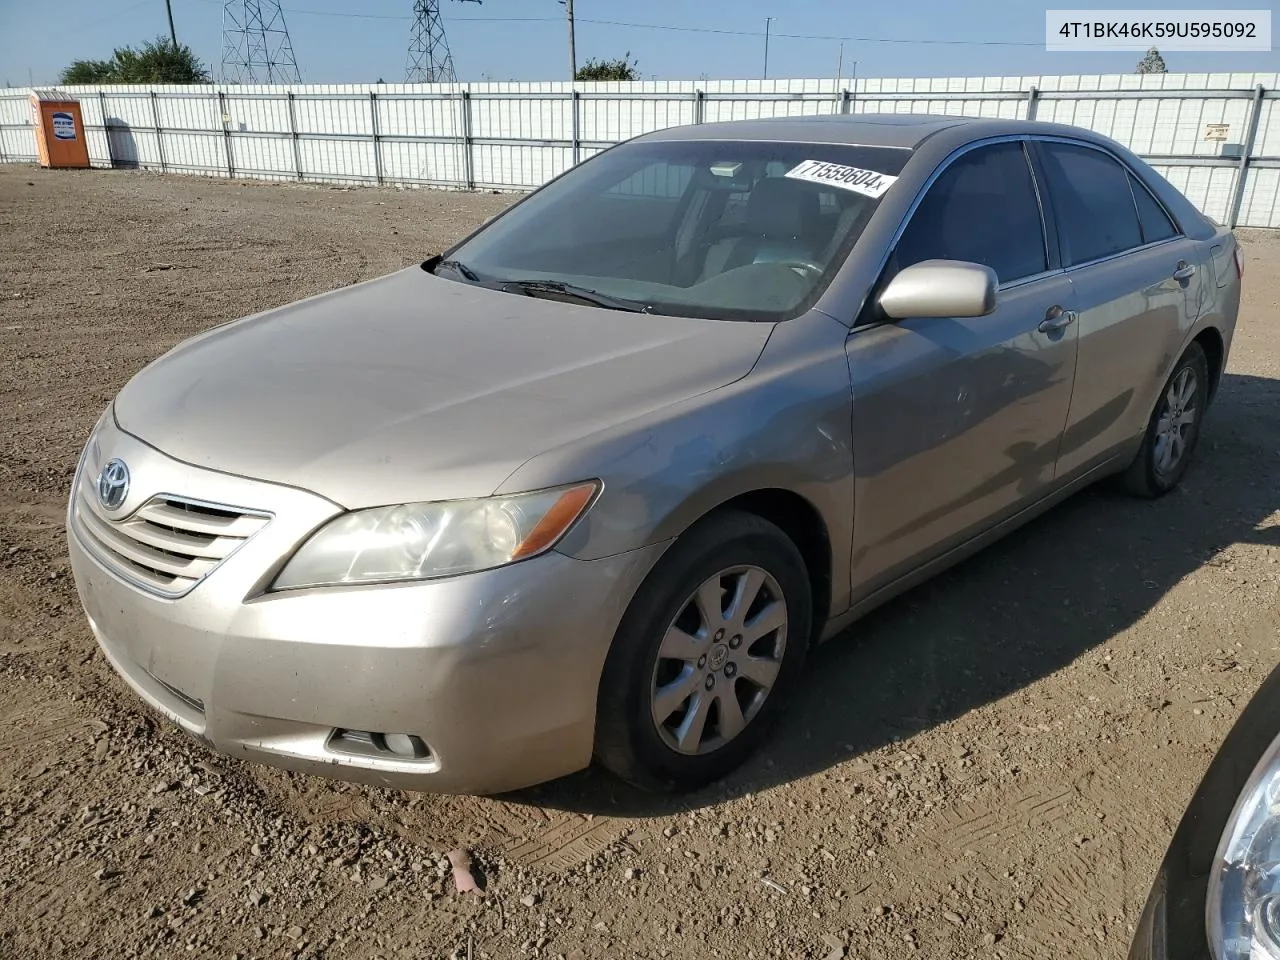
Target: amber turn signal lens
x=557, y=520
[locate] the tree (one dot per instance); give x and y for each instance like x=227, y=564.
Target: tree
x=1152, y=62
x=623, y=68
x=158, y=61
x=88, y=71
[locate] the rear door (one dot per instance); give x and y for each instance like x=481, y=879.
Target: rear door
x=956, y=421
x=1138, y=285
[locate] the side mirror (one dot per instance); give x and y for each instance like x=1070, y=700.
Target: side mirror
x=941, y=288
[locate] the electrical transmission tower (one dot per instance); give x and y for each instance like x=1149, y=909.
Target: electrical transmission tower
x=255, y=44
x=429, y=60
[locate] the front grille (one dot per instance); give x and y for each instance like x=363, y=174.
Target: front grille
x=167, y=545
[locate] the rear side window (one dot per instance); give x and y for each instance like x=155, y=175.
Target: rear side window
x=1093, y=202
x=982, y=209
x=1156, y=224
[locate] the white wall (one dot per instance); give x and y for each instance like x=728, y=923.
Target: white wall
x=519, y=135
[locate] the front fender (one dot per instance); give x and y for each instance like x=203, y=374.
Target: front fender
x=787, y=425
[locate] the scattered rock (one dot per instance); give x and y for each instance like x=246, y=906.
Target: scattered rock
x=529, y=900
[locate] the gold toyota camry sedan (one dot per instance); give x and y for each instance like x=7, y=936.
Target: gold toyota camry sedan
x=592, y=483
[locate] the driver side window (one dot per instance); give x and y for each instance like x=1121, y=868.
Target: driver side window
x=982, y=209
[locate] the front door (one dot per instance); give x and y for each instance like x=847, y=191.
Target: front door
x=957, y=421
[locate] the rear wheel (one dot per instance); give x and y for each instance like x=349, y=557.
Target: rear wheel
x=1173, y=429
x=707, y=652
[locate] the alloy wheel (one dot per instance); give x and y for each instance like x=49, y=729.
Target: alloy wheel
x=719, y=660
x=1175, y=422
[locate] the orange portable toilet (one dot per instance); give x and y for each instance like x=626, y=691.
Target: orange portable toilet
x=59, y=130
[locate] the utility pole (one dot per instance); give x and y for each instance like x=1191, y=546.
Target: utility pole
x=767, y=23
x=173, y=34
x=840, y=66
x=573, y=47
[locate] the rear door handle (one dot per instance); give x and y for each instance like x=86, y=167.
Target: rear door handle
x=1185, y=270
x=1057, y=319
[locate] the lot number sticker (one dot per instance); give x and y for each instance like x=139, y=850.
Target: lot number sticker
x=866, y=182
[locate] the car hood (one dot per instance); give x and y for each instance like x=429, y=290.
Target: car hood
x=413, y=387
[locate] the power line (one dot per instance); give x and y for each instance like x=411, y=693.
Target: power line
x=810, y=36
x=297, y=11
x=671, y=27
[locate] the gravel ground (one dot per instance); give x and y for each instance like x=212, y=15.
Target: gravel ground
x=990, y=766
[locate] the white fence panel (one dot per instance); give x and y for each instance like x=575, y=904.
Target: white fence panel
x=1191, y=127
x=409, y=116
x=440, y=164
x=203, y=152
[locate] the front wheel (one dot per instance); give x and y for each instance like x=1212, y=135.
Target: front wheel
x=708, y=650
x=1173, y=429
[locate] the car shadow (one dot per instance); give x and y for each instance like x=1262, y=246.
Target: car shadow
x=1021, y=609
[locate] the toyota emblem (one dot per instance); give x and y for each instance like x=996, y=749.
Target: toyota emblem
x=113, y=484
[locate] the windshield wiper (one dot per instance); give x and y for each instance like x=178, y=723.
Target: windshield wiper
x=457, y=266
x=558, y=289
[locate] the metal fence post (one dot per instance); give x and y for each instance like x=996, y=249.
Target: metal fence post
x=377, y=140
x=1242, y=171
x=155, y=118
x=1033, y=100
x=699, y=106
x=106, y=129
x=845, y=100
x=293, y=135
x=468, y=161
x=576, y=103
x=226, y=131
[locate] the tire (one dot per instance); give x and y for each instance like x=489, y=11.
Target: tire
x=1167, y=448
x=664, y=642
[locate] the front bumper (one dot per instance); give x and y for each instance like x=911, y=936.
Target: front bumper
x=497, y=672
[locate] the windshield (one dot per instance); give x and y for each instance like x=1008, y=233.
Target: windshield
x=741, y=230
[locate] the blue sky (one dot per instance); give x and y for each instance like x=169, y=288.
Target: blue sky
x=526, y=39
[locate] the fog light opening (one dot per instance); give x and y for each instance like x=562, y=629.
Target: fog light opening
x=405, y=745
x=368, y=743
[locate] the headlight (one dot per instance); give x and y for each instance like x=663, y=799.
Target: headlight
x=420, y=541
x=1242, y=915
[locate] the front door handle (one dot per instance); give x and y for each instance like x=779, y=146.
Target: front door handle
x=1057, y=319
x=1185, y=270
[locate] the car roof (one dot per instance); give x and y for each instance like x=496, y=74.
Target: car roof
x=902, y=130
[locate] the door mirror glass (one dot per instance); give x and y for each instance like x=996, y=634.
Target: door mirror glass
x=941, y=288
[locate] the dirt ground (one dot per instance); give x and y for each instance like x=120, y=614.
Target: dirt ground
x=990, y=766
